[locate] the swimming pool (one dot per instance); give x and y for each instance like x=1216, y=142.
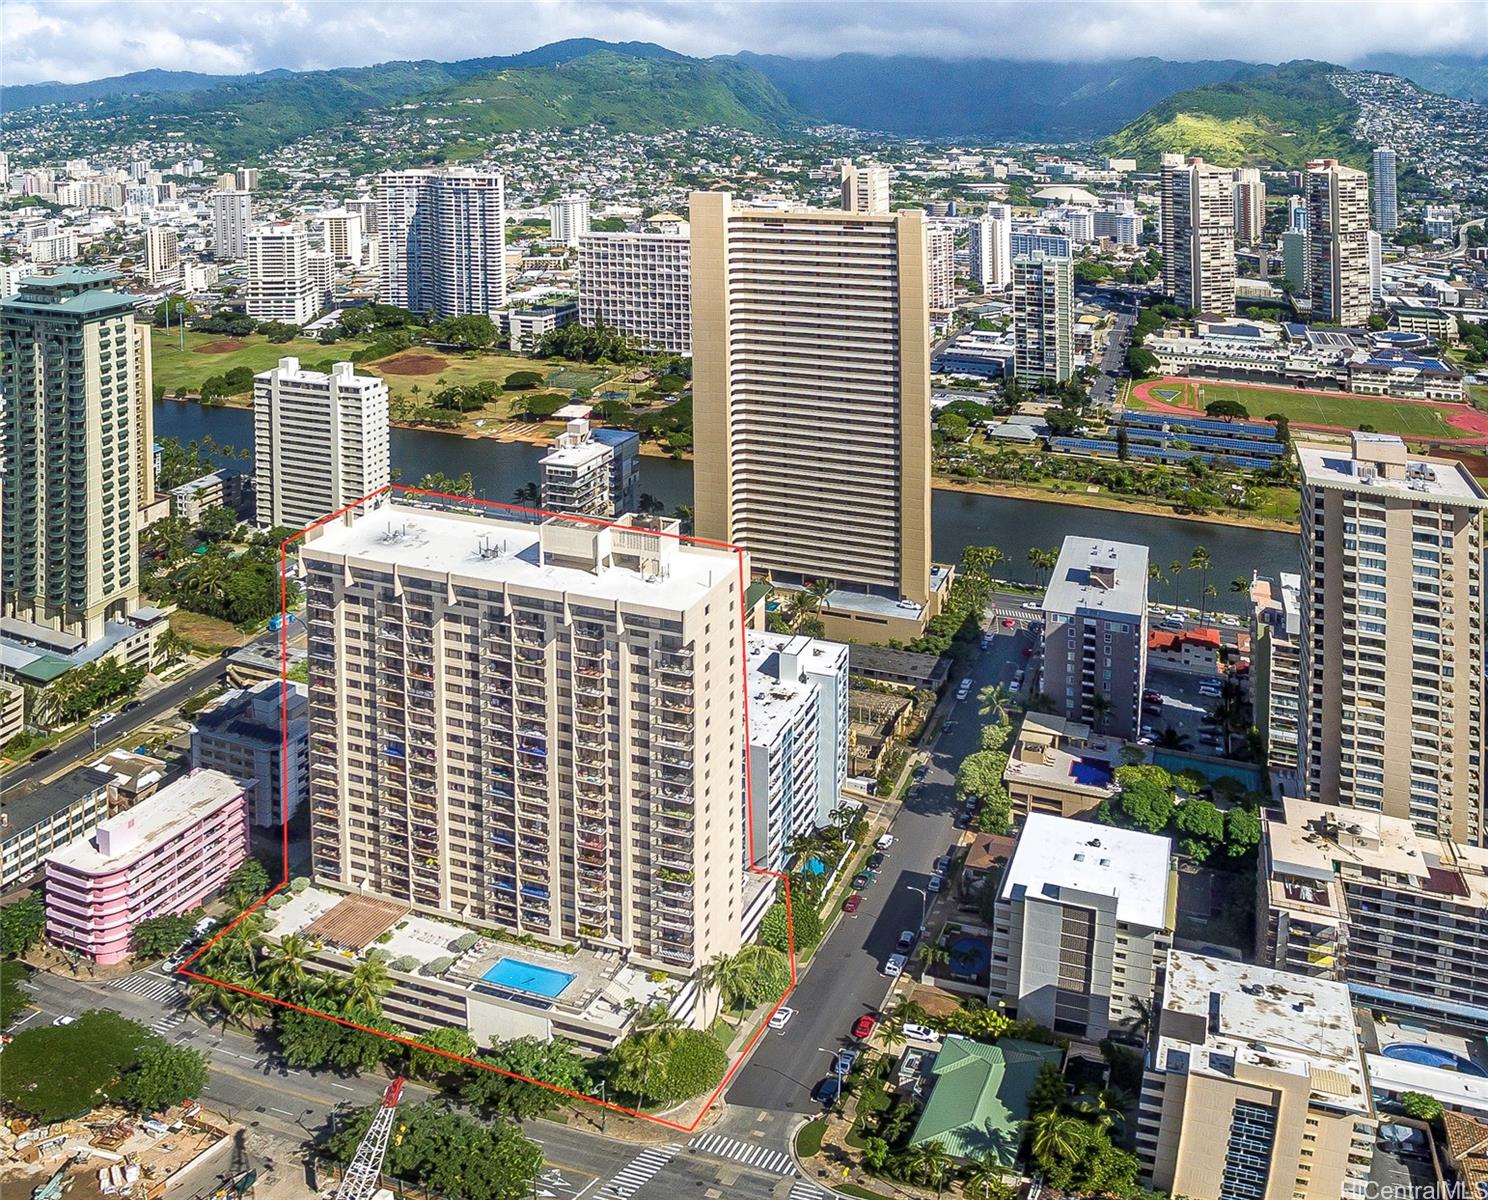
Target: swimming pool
x=1092, y=772
x=1433, y=1056
x=528, y=977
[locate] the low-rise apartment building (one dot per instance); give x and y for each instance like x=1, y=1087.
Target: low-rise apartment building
x=1084, y=918
x=225, y=488
x=1059, y=768
x=165, y=856
x=12, y=711
x=35, y=824
x=592, y=472
x=1363, y=898
x=1255, y=1087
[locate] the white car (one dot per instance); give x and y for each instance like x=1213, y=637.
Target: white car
x=895, y=965
x=884, y=842
x=104, y=720
x=780, y=1018
x=936, y=883
x=1033, y=606
x=921, y=1033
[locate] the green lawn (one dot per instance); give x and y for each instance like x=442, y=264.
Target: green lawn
x=175, y=368
x=1403, y=417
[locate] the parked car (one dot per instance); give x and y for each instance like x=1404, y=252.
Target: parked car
x=843, y=1063
x=884, y=842
x=936, y=883
x=921, y=1033
x=864, y=1026
x=1033, y=606
x=906, y=941
x=942, y=864
x=780, y=1018
x=131, y=706
x=1009, y=623
x=875, y=860
x=860, y=881
x=826, y=1092
x=106, y=719
x=1151, y=697
x=852, y=903
x=895, y=965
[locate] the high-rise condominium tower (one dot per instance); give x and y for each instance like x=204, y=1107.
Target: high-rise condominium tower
x=992, y=249
x=1250, y=205
x=320, y=441
x=162, y=254
x=281, y=286
x=1198, y=236
x=536, y=728
x=811, y=386
x=865, y=189
x=940, y=248
x=568, y=219
x=69, y=455
x=1043, y=318
x=1386, y=215
x=342, y=236
x=232, y=221
x=1392, y=635
x=639, y=284
x=1338, y=233
x=442, y=240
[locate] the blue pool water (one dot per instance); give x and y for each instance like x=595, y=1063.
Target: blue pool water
x=1091, y=772
x=1432, y=1056
x=970, y=956
x=528, y=977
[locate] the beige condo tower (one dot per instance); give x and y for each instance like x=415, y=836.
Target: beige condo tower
x=811, y=400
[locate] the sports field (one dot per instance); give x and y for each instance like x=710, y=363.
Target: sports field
x=1334, y=410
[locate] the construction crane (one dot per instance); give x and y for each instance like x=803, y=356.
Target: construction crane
x=360, y=1180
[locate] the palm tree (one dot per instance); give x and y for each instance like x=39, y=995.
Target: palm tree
x=1169, y=738
x=982, y=558
x=929, y=953
x=1240, y=584
x=285, y=963
x=1097, y=1110
x=932, y=1163
x=732, y=975
x=1199, y=562
x=819, y=590
x=1054, y=1136
x=1210, y=592
x=1100, y=708
x=906, y=1012
x=993, y=701
x=1175, y=569
x=527, y=496
x=368, y=984
x=984, y=1178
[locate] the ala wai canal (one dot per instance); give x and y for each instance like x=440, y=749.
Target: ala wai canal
x=959, y=519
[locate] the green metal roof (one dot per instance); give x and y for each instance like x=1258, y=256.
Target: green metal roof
x=44, y=668
x=979, y=1098
x=756, y=592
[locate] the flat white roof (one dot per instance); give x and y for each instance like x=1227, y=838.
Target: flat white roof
x=149, y=823
x=1269, y=1019
x=507, y=553
x=773, y=702
x=1071, y=589
x=1055, y=853
x=1428, y=480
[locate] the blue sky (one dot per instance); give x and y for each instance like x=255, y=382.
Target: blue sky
x=74, y=40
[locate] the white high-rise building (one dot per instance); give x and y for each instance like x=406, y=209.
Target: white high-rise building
x=1386, y=214
x=1297, y=214
x=341, y=235
x=536, y=728
x=798, y=739
x=1043, y=318
x=992, y=250
x=442, y=240
x=568, y=219
x=1198, y=237
x=320, y=441
x=232, y=222
x=1393, y=640
x=1250, y=205
x=940, y=257
x=162, y=255
x=865, y=189
x=1338, y=242
x=1376, y=268
x=281, y=285
x=639, y=284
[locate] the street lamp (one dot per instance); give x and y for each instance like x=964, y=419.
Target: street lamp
x=836, y=1069
x=924, y=905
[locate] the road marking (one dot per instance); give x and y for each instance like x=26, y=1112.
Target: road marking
x=761, y=1158
x=342, y=1086
x=804, y=1189
x=285, y=1111
x=149, y=985
x=637, y=1173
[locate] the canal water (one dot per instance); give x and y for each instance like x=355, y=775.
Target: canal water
x=959, y=519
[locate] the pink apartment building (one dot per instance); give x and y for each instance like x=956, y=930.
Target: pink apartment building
x=165, y=856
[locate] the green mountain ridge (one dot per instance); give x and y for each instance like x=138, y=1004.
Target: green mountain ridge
x=1280, y=118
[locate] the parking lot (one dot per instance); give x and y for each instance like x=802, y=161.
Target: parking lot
x=1184, y=707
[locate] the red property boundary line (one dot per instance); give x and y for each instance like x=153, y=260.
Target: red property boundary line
x=392, y=489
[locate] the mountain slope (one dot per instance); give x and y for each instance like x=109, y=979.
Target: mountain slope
x=928, y=97
x=1282, y=117
x=1458, y=75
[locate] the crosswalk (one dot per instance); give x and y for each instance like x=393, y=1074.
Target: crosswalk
x=170, y=1020
x=804, y=1189
x=149, y=985
x=637, y=1173
x=761, y=1158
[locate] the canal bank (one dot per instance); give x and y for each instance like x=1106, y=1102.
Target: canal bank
x=959, y=518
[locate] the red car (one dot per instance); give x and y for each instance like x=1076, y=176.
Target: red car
x=1009, y=623
x=852, y=903
x=864, y=1026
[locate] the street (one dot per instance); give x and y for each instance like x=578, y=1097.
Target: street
x=88, y=742
x=845, y=977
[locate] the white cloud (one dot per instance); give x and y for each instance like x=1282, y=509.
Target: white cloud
x=75, y=40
